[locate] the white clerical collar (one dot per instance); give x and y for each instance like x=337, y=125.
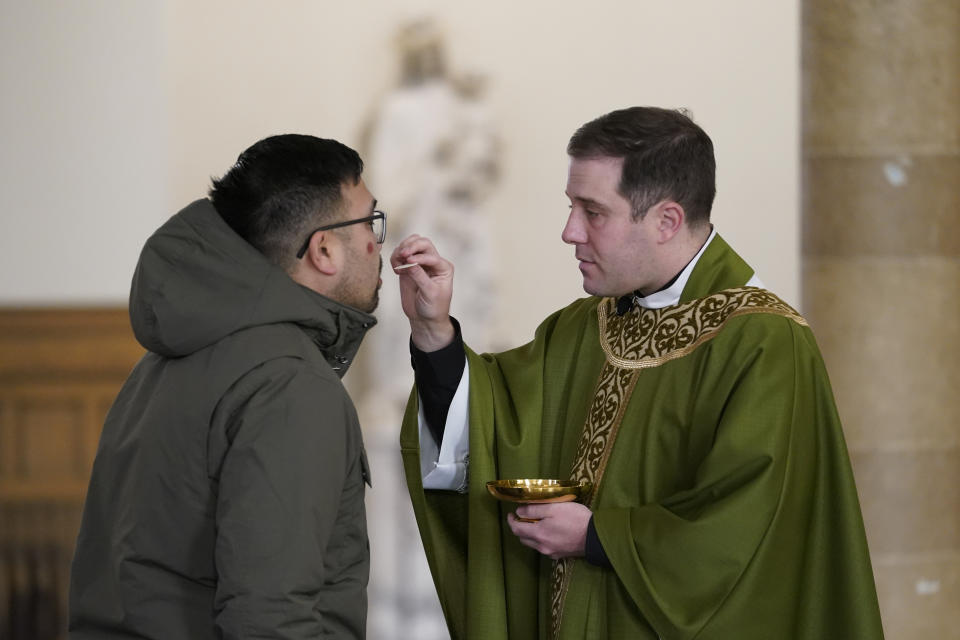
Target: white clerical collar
x=671, y=295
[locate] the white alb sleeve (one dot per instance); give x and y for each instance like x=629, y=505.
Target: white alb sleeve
x=446, y=468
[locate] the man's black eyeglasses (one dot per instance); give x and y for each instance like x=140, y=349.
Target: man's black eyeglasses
x=378, y=224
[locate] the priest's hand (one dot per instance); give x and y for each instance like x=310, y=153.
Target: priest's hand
x=425, y=291
x=561, y=530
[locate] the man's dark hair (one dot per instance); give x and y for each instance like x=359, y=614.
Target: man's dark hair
x=281, y=188
x=665, y=157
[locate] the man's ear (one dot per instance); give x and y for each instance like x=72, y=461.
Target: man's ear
x=323, y=252
x=670, y=218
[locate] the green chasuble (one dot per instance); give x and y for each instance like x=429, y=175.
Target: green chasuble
x=723, y=492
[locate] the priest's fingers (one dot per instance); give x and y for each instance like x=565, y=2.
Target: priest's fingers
x=530, y=534
x=533, y=511
x=410, y=246
x=406, y=245
x=431, y=266
x=522, y=529
x=431, y=291
x=426, y=289
x=560, y=532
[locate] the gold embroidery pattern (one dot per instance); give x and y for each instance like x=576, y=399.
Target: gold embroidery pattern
x=559, y=581
x=600, y=431
x=642, y=339
x=646, y=338
x=605, y=414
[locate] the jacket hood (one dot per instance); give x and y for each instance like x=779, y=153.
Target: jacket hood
x=197, y=281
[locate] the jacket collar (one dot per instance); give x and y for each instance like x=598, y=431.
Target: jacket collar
x=336, y=329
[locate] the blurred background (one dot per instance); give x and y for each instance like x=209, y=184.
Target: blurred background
x=836, y=126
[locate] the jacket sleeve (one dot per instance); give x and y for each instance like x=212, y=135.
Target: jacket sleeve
x=282, y=433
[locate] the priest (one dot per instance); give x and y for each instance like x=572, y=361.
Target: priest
x=693, y=401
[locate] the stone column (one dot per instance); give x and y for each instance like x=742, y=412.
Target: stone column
x=881, y=281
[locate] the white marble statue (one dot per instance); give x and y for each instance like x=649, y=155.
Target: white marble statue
x=431, y=159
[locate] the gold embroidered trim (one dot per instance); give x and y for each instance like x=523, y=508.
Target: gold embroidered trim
x=646, y=338
x=606, y=412
x=559, y=582
x=610, y=399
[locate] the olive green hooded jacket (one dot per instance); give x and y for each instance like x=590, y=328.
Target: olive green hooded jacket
x=226, y=499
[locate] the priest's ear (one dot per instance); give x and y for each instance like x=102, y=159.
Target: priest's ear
x=669, y=219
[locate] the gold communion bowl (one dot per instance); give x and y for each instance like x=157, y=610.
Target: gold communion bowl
x=538, y=490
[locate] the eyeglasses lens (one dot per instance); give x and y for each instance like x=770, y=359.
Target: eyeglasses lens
x=378, y=228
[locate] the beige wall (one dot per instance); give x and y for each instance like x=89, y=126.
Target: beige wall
x=115, y=113
x=83, y=154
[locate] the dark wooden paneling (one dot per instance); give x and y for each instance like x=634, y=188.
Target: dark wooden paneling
x=59, y=372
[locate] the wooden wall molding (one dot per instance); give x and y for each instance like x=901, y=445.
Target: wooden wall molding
x=66, y=343
x=60, y=370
